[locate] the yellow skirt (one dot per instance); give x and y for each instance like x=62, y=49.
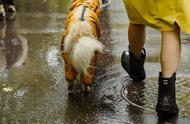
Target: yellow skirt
x=160, y=14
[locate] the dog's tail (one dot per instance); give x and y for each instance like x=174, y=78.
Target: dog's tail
x=81, y=45
x=83, y=53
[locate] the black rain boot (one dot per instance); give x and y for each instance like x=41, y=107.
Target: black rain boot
x=134, y=66
x=166, y=104
x=10, y=2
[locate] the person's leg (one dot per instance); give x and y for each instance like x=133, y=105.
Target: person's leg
x=10, y=2
x=11, y=6
x=133, y=60
x=170, y=52
x=1, y=1
x=10, y=9
x=136, y=36
x=170, y=58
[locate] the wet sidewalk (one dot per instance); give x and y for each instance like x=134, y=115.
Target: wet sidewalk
x=33, y=89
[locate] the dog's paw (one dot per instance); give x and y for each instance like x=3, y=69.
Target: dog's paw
x=87, y=88
x=70, y=85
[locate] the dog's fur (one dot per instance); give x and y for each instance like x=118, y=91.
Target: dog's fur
x=80, y=43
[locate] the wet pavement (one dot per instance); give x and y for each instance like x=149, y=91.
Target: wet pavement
x=33, y=89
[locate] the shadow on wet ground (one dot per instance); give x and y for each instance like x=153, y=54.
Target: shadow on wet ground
x=33, y=88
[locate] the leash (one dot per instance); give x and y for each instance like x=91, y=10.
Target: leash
x=83, y=11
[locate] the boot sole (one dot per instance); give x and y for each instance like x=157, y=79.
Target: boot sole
x=167, y=110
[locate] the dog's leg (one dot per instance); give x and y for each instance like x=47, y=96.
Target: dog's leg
x=70, y=73
x=87, y=79
x=70, y=86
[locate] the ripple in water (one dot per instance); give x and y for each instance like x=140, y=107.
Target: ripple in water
x=144, y=95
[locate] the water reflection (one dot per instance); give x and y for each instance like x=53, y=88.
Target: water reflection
x=81, y=109
x=135, y=94
x=167, y=119
x=13, y=47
